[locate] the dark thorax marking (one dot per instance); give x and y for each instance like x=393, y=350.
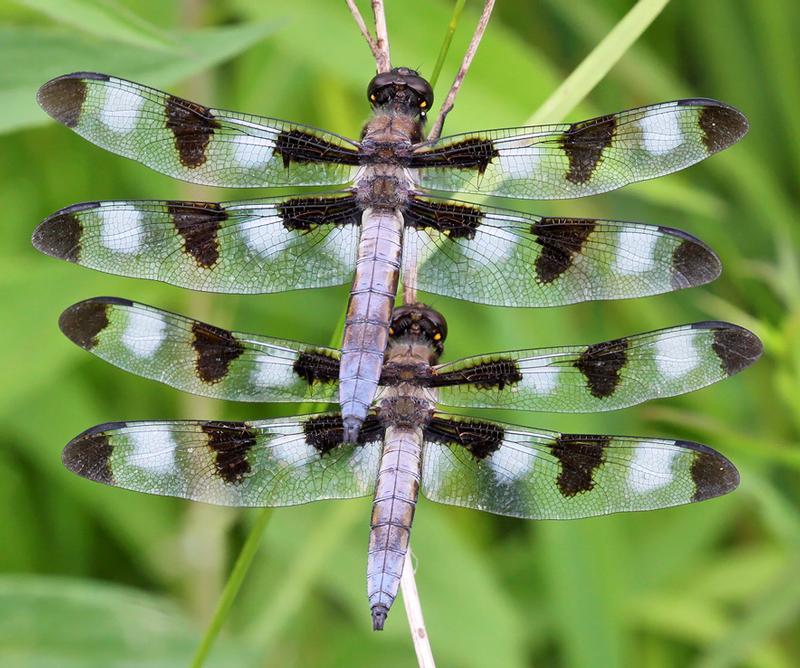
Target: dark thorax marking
x=712, y=474
x=308, y=213
x=415, y=373
x=494, y=374
x=584, y=144
x=318, y=366
x=63, y=98
x=473, y=153
x=89, y=454
x=561, y=240
x=83, y=322
x=198, y=224
x=216, y=348
x=693, y=264
x=480, y=438
x=303, y=147
x=193, y=126
x=326, y=432
x=457, y=221
x=601, y=364
x=230, y=442
x=579, y=457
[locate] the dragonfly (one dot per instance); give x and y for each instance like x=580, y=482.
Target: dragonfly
x=390, y=213
x=407, y=443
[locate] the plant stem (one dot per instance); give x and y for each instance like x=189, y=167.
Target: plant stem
x=416, y=622
x=448, y=38
x=384, y=61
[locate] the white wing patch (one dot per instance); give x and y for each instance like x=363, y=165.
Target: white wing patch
x=121, y=229
x=676, y=355
x=635, y=253
x=651, y=468
x=152, y=451
x=273, y=373
x=661, y=132
x=253, y=152
x=120, y=112
x=539, y=376
x=144, y=333
x=509, y=463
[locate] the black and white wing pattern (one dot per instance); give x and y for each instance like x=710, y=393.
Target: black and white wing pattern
x=602, y=376
x=257, y=246
x=539, y=474
x=200, y=358
x=279, y=462
x=508, y=258
x=195, y=143
x=569, y=160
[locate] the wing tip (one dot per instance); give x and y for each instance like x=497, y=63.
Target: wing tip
x=693, y=261
x=59, y=235
x=63, y=97
x=712, y=473
x=89, y=453
x=81, y=323
x=736, y=347
x=721, y=123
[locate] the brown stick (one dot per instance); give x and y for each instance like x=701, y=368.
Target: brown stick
x=382, y=60
x=447, y=105
x=362, y=26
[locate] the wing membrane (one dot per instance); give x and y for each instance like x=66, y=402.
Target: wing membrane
x=546, y=475
x=196, y=357
x=569, y=160
x=509, y=258
x=281, y=462
x=188, y=141
x=602, y=376
x=258, y=246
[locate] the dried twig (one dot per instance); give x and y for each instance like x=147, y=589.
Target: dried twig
x=447, y=105
x=362, y=26
x=419, y=634
x=382, y=59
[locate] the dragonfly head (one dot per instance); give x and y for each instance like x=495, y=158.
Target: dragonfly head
x=401, y=88
x=420, y=322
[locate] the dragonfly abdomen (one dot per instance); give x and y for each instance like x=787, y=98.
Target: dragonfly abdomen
x=369, y=311
x=396, y=495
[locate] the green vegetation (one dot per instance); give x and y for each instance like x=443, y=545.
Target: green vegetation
x=95, y=576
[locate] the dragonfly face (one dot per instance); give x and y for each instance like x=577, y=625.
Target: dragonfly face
x=401, y=89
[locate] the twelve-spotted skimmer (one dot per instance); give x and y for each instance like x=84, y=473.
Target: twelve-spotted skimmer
x=388, y=218
x=406, y=444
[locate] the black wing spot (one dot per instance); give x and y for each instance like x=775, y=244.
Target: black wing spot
x=89, y=453
x=198, y=224
x=63, y=98
x=584, y=144
x=494, y=374
x=457, y=221
x=216, y=348
x=192, y=126
x=693, y=263
x=81, y=323
x=308, y=213
x=579, y=457
x=737, y=348
x=712, y=474
x=230, y=442
x=326, y=432
x=481, y=439
x=304, y=147
x=318, y=366
x=601, y=364
x=60, y=235
x=721, y=125
x=561, y=240
x=474, y=153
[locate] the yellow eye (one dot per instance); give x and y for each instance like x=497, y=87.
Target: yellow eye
x=437, y=336
x=391, y=331
x=373, y=97
x=423, y=104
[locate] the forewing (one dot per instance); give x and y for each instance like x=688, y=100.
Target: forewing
x=197, y=357
x=545, y=475
x=281, y=462
x=576, y=159
x=603, y=376
x=258, y=246
x=509, y=258
x=195, y=143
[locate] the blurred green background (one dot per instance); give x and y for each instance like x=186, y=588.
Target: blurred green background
x=96, y=576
